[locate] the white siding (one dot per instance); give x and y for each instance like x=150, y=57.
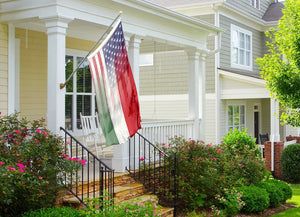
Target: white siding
x=210, y=119
x=164, y=107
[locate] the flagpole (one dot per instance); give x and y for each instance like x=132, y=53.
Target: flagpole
x=62, y=85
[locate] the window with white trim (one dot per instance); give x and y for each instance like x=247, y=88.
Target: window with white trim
x=241, y=48
x=80, y=94
x=236, y=117
x=255, y=3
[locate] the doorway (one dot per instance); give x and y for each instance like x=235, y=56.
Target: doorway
x=256, y=126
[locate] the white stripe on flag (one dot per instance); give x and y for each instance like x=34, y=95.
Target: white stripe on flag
x=114, y=104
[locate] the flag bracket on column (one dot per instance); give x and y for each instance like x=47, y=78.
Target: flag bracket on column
x=116, y=94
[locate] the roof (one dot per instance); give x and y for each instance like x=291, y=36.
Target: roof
x=258, y=76
x=274, y=12
x=172, y=3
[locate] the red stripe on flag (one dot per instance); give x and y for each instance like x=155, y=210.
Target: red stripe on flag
x=128, y=92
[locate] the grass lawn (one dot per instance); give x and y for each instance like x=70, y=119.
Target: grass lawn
x=295, y=200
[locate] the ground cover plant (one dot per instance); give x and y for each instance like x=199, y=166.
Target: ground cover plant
x=33, y=166
x=132, y=208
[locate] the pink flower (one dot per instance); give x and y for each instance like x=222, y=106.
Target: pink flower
x=0, y=113
x=209, y=145
x=219, y=150
x=161, y=153
x=20, y=165
x=9, y=135
x=169, y=145
x=1, y=163
x=21, y=170
x=163, y=144
x=11, y=168
x=40, y=177
x=75, y=158
x=64, y=155
x=240, y=152
x=17, y=131
x=68, y=142
x=70, y=158
x=240, y=164
x=83, y=162
x=215, y=158
x=141, y=159
x=38, y=131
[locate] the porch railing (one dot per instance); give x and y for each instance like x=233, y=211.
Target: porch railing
x=94, y=179
x=155, y=169
x=161, y=131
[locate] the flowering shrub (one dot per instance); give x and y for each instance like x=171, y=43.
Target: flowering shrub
x=32, y=166
x=204, y=168
x=229, y=203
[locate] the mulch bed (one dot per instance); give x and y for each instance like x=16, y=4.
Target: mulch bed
x=268, y=212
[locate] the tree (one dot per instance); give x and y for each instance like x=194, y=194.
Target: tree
x=280, y=67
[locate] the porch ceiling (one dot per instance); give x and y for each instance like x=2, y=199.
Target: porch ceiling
x=89, y=18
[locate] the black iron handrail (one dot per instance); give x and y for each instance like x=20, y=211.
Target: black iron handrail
x=156, y=170
x=94, y=179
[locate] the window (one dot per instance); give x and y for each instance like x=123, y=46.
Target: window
x=80, y=95
x=241, y=48
x=236, y=117
x=255, y=3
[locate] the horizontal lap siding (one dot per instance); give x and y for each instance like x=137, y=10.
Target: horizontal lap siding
x=168, y=76
x=245, y=5
x=210, y=124
x=258, y=46
x=33, y=74
x=3, y=68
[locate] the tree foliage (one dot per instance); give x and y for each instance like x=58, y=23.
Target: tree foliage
x=280, y=67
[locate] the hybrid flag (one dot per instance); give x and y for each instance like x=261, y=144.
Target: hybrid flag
x=116, y=95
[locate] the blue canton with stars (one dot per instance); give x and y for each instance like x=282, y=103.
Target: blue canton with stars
x=115, y=55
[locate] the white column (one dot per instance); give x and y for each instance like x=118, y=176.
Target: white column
x=275, y=123
x=120, y=159
x=202, y=89
x=194, y=90
x=134, y=55
x=56, y=31
x=11, y=69
x=275, y=137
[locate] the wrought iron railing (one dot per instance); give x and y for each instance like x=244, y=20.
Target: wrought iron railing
x=94, y=179
x=155, y=169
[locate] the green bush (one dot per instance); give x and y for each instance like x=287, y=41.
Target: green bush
x=290, y=161
x=256, y=199
x=55, y=212
x=274, y=191
x=238, y=141
x=278, y=190
x=32, y=166
x=284, y=188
